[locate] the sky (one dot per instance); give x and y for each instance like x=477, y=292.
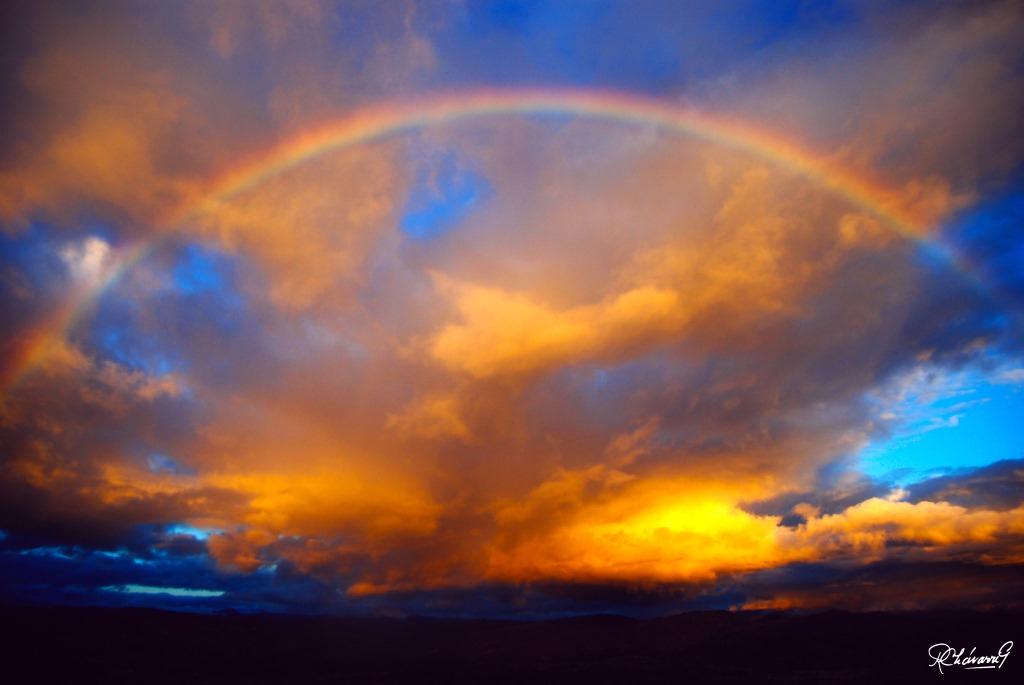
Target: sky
x=512, y=308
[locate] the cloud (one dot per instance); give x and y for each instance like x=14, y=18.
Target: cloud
x=505, y=333
x=686, y=532
x=313, y=228
x=434, y=416
x=996, y=486
x=639, y=362
x=885, y=586
x=1015, y=376
x=87, y=260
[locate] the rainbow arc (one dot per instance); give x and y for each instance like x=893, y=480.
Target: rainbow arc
x=379, y=122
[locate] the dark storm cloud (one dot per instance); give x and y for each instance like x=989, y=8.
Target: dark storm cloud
x=885, y=587
x=997, y=486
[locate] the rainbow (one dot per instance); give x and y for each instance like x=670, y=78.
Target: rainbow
x=379, y=122
x=42, y=340
x=382, y=121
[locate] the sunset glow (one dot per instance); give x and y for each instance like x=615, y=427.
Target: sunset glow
x=480, y=309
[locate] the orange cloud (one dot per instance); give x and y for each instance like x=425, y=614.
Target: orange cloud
x=434, y=416
x=588, y=377
x=506, y=333
x=680, y=532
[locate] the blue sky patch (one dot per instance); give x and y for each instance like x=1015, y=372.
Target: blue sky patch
x=942, y=421
x=445, y=192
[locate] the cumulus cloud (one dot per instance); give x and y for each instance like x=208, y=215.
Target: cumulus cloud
x=87, y=260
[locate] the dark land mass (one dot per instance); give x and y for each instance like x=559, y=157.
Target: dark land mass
x=76, y=645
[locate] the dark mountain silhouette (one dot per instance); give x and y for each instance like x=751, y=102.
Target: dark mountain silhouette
x=149, y=646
